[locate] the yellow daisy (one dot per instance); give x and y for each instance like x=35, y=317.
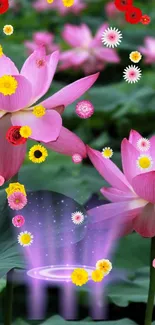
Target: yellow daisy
x=97, y=275
x=38, y=154
x=144, y=162
x=15, y=187
x=104, y=265
x=68, y=3
x=8, y=29
x=8, y=85
x=107, y=152
x=39, y=111
x=25, y=131
x=25, y=238
x=79, y=277
x=135, y=56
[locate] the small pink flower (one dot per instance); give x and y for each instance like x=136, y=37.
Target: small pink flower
x=77, y=217
x=2, y=180
x=18, y=221
x=84, y=109
x=153, y=263
x=17, y=201
x=76, y=158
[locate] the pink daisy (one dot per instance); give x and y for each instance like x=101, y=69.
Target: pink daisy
x=153, y=263
x=18, y=221
x=2, y=180
x=143, y=144
x=84, y=109
x=76, y=158
x=111, y=37
x=132, y=74
x=17, y=201
x=77, y=217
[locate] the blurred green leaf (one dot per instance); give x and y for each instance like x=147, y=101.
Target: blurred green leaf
x=57, y=320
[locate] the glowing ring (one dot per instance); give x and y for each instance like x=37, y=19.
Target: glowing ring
x=49, y=272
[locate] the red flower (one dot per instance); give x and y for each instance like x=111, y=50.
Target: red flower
x=13, y=136
x=133, y=15
x=4, y=6
x=123, y=5
x=145, y=20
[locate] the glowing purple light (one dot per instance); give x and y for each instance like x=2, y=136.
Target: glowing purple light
x=57, y=273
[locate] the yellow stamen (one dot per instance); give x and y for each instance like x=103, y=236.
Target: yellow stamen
x=8, y=85
x=39, y=111
x=68, y=3
x=25, y=131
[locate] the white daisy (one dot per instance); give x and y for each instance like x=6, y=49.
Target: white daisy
x=143, y=144
x=144, y=162
x=132, y=74
x=107, y=152
x=25, y=238
x=77, y=217
x=111, y=37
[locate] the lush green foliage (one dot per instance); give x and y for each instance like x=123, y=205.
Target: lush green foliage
x=118, y=108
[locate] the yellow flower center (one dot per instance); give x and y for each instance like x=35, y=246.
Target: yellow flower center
x=1, y=51
x=8, y=85
x=25, y=239
x=25, y=131
x=39, y=111
x=68, y=3
x=107, y=152
x=17, y=201
x=50, y=1
x=144, y=162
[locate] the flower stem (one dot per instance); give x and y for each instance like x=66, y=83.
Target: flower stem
x=151, y=294
x=9, y=298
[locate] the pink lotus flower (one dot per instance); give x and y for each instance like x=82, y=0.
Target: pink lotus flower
x=111, y=10
x=16, y=109
x=132, y=193
x=88, y=53
x=148, y=50
x=41, y=39
x=43, y=5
